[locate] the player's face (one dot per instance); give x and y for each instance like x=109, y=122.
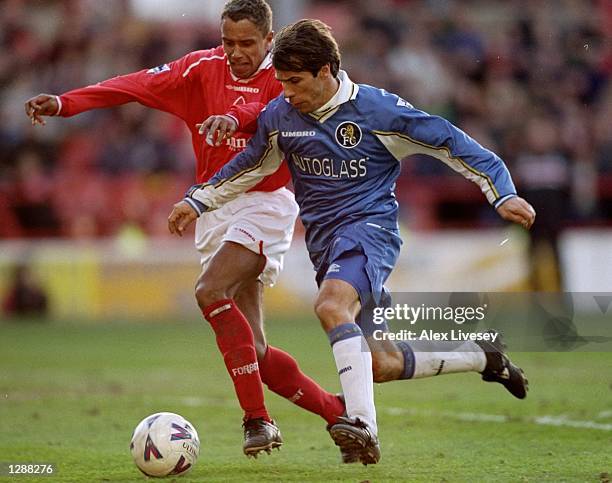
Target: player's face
x=306, y=92
x=244, y=45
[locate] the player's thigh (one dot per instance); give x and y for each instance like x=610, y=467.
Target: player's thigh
x=230, y=266
x=263, y=223
x=344, y=285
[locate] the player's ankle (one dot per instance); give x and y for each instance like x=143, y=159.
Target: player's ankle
x=259, y=414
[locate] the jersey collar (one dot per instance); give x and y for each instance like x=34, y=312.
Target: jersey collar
x=347, y=91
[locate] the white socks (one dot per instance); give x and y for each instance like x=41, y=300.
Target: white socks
x=354, y=363
x=446, y=358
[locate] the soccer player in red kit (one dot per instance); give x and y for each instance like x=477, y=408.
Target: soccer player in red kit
x=241, y=246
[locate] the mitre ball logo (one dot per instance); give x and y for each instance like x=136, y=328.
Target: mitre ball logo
x=348, y=134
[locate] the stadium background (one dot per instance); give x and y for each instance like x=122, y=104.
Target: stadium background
x=83, y=207
x=84, y=201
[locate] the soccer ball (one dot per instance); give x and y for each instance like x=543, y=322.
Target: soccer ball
x=165, y=444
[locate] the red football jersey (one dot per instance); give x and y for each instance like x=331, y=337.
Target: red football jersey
x=193, y=88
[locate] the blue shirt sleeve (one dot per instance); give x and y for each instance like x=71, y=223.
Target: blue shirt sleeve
x=411, y=131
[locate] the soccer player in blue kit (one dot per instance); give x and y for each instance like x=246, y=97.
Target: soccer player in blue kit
x=343, y=143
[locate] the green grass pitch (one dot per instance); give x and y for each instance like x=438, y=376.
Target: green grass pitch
x=71, y=394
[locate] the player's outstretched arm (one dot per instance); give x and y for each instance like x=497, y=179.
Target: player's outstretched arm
x=41, y=105
x=518, y=211
x=181, y=217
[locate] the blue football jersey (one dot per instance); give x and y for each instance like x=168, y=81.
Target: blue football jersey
x=345, y=159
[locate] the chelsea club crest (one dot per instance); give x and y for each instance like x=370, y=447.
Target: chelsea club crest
x=348, y=134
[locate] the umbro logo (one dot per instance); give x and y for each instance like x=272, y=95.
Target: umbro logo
x=345, y=369
x=298, y=134
x=254, y=90
x=402, y=103
x=333, y=268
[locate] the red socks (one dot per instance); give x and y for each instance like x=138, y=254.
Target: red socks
x=236, y=343
x=282, y=375
x=278, y=369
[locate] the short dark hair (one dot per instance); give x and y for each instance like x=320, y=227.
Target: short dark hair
x=306, y=45
x=256, y=11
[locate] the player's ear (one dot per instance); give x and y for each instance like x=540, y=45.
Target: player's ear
x=269, y=37
x=324, y=72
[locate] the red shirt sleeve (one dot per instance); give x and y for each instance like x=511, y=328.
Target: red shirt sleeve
x=166, y=87
x=246, y=115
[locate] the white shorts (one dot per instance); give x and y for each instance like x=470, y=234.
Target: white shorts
x=261, y=221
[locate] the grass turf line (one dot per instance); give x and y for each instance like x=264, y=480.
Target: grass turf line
x=71, y=394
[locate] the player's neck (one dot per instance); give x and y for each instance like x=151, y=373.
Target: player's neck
x=329, y=90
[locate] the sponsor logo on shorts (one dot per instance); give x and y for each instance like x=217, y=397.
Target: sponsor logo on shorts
x=334, y=268
x=244, y=232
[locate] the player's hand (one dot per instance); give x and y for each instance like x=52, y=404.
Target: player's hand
x=217, y=128
x=41, y=105
x=518, y=211
x=181, y=217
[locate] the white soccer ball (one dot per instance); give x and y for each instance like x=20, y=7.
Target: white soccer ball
x=165, y=444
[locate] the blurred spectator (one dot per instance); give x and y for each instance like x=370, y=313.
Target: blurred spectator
x=31, y=198
x=483, y=64
x=25, y=296
x=543, y=174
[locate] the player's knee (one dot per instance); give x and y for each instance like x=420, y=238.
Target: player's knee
x=330, y=313
x=207, y=294
x=386, y=366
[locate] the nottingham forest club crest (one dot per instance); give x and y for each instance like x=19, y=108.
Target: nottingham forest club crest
x=348, y=134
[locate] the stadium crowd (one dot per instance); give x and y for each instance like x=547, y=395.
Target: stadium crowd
x=530, y=80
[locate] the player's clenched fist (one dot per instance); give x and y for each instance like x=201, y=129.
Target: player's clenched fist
x=518, y=211
x=41, y=105
x=181, y=217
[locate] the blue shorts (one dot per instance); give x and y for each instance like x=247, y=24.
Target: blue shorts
x=363, y=255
